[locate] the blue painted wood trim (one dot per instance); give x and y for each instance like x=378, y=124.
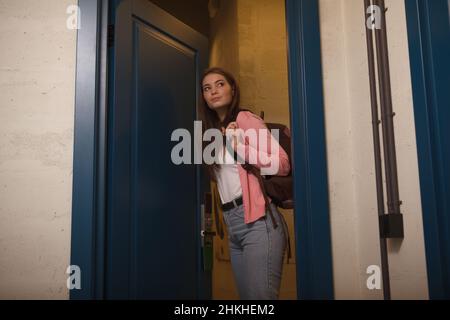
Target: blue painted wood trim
x=312, y=223
x=88, y=194
x=430, y=72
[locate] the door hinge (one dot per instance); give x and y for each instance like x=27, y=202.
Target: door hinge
x=111, y=32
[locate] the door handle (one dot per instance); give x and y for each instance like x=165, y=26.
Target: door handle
x=208, y=233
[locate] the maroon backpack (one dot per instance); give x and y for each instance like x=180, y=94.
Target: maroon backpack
x=278, y=188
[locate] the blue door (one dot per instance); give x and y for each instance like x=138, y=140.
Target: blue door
x=153, y=242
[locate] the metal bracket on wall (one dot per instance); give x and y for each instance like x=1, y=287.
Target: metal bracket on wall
x=391, y=226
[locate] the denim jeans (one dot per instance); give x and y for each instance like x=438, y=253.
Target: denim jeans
x=256, y=251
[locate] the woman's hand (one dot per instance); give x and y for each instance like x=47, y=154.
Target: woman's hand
x=232, y=126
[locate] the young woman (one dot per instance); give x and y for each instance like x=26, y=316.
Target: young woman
x=256, y=247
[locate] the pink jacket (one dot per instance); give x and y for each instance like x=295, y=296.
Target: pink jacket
x=253, y=198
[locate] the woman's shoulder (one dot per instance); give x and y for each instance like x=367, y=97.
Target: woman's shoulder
x=247, y=116
x=248, y=120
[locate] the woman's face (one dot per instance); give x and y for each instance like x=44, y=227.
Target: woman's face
x=217, y=91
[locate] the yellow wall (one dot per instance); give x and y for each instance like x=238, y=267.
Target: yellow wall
x=37, y=88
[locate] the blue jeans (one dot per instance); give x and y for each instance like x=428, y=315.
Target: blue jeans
x=256, y=251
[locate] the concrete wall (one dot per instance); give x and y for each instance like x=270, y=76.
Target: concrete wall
x=37, y=88
x=353, y=205
x=249, y=38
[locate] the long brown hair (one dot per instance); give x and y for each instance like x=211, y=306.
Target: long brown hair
x=210, y=118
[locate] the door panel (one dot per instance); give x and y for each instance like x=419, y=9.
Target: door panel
x=153, y=244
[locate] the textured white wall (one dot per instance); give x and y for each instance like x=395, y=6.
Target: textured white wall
x=343, y=207
x=353, y=205
x=406, y=258
x=37, y=87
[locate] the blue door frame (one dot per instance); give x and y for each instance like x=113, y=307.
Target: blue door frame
x=429, y=47
x=89, y=164
x=312, y=225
